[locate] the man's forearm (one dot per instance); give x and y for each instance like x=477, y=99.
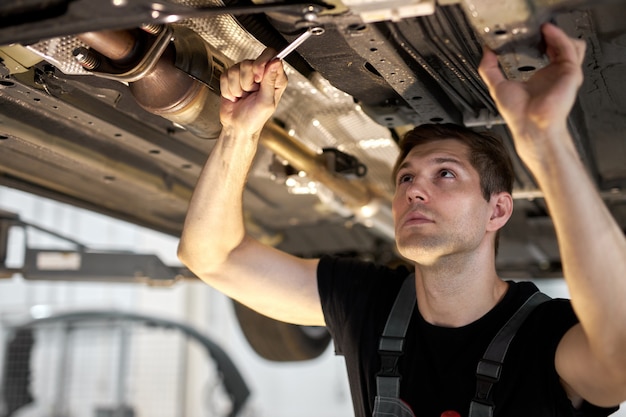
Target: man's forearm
x=214, y=224
x=593, y=248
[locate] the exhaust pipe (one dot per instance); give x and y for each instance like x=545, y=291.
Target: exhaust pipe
x=164, y=88
x=368, y=204
x=353, y=193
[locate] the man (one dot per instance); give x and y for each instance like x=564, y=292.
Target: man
x=447, y=217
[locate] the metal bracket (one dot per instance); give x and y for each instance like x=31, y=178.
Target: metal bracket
x=342, y=163
x=83, y=264
x=512, y=28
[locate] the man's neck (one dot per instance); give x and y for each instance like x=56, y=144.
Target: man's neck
x=455, y=293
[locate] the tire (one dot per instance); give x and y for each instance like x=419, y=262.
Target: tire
x=278, y=341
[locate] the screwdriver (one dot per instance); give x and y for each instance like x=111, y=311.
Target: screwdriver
x=315, y=30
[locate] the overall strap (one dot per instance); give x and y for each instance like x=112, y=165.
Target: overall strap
x=391, y=343
x=490, y=366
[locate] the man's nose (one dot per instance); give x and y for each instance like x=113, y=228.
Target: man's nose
x=416, y=192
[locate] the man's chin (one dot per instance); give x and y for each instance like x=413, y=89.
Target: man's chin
x=418, y=250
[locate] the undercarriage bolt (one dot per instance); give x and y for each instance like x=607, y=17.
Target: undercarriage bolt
x=152, y=28
x=86, y=58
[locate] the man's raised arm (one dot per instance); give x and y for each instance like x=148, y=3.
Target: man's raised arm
x=591, y=358
x=214, y=244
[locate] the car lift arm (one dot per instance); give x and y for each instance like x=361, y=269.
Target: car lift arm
x=82, y=263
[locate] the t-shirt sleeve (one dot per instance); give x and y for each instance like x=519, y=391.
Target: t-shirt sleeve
x=338, y=286
x=590, y=410
x=348, y=290
x=563, y=318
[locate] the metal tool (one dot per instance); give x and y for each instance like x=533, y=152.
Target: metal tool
x=312, y=31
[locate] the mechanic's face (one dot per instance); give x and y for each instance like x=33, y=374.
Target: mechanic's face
x=438, y=207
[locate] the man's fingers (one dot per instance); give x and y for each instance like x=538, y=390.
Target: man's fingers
x=560, y=47
x=489, y=69
x=248, y=76
x=581, y=47
x=273, y=83
x=226, y=83
x=238, y=81
x=261, y=62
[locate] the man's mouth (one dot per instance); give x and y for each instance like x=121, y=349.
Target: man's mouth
x=416, y=218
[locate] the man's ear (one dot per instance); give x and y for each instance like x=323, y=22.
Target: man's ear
x=501, y=210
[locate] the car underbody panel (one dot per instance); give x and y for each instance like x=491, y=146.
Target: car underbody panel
x=126, y=132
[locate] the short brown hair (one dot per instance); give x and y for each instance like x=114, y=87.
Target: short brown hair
x=488, y=155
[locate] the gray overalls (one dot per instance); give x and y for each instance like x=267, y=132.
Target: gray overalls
x=391, y=345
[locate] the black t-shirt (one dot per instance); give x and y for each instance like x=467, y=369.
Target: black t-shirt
x=439, y=364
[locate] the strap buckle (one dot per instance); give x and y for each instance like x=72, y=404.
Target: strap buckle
x=481, y=408
x=389, y=363
x=488, y=370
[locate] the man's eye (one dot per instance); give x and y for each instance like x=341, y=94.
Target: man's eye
x=404, y=178
x=445, y=173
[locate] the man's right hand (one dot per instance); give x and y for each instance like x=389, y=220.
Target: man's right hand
x=251, y=91
x=214, y=243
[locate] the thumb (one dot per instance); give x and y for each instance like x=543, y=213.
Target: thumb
x=489, y=70
x=270, y=83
